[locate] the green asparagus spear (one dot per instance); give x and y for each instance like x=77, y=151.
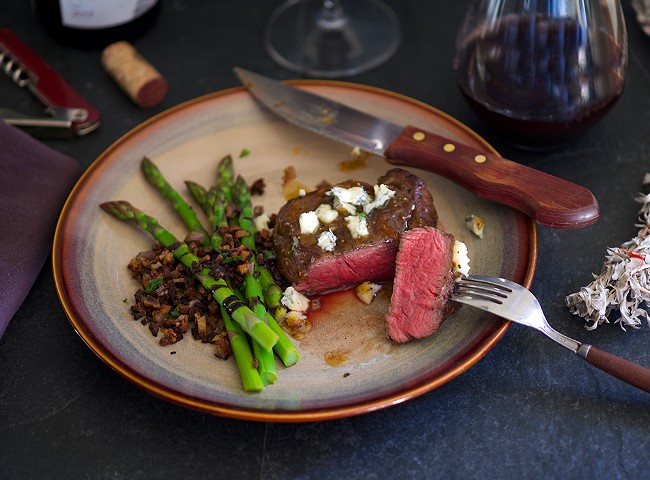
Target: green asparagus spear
x=224, y=187
x=216, y=203
x=225, y=177
x=213, y=207
x=200, y=195
x=265, y=359
x=155, y=177
x=250, y=376
x=240, y=313
x=284, y=348
x=241, y=194
x=241, y=199
x=255, y=295
x=255, y=290
x=271, y=291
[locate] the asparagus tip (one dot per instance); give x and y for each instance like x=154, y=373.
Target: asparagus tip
x=119, y=208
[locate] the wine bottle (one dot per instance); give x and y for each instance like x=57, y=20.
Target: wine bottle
x=95, y=23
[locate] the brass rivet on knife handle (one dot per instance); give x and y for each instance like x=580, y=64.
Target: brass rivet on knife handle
x=449, y=147
x=480, y=158
x=418, y=136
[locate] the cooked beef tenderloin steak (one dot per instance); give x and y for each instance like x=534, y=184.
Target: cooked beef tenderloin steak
x=335, y=238
x=424, y=281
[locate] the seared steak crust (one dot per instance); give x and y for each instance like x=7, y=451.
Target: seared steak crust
x=310, y=269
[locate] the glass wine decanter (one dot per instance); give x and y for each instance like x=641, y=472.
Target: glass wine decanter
x=541, y=71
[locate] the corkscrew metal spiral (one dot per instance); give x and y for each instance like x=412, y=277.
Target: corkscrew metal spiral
x=13, y=69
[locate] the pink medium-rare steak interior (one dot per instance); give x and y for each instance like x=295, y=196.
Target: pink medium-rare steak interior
x=424, y=281
x=349, y=270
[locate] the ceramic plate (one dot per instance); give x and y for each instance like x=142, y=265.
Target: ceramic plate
x=92, y=250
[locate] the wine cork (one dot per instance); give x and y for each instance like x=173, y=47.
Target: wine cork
x=134, y=74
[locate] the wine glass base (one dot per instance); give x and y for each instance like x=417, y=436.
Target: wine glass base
x=301, y=41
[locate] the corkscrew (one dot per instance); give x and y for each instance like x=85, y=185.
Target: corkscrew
x=68, y=113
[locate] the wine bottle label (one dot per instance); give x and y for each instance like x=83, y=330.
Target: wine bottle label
x=93, y=14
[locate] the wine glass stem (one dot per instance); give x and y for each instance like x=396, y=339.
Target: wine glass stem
x=331, y=16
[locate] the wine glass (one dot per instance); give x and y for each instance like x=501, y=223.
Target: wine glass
x=541, y=71
x=331, y=38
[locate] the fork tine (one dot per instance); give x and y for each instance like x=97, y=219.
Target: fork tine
x=491, y=282
x=484, y=288
x=479, y=294
x=480, y=288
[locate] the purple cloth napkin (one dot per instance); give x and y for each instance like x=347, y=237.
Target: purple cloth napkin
x=34, y=183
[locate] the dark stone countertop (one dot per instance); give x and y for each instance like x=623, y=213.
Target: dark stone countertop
x=528, y=409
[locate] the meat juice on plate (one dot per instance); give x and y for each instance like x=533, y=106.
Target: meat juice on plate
x=540, y=80
x=347, y=332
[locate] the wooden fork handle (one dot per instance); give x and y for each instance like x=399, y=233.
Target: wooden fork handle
x=620, y=368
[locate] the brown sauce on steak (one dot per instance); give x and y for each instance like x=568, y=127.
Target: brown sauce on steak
x=302, y=262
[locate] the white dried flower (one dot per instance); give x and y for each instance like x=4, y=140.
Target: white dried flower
x=623, y=284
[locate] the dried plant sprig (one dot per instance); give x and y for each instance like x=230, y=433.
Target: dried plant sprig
x=624, y=283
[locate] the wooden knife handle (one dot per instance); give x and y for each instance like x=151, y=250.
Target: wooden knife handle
x=549, y=200
x=622, y=369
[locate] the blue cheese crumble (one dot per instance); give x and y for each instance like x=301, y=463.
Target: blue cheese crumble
x=308, y=222
x=357, y=225
x=353, y=201
x=382, y=195
x=326, y=214
x=294, y=300
x=460, y=258
x=327, y=241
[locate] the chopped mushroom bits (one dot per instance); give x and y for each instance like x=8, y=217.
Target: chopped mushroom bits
x=172, y=302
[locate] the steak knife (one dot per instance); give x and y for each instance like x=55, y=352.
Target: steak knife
x=549, y=200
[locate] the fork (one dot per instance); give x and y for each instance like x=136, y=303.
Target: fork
x=514, y=302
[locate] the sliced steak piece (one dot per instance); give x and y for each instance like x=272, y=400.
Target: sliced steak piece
x=311, y=269
x=424, y=281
